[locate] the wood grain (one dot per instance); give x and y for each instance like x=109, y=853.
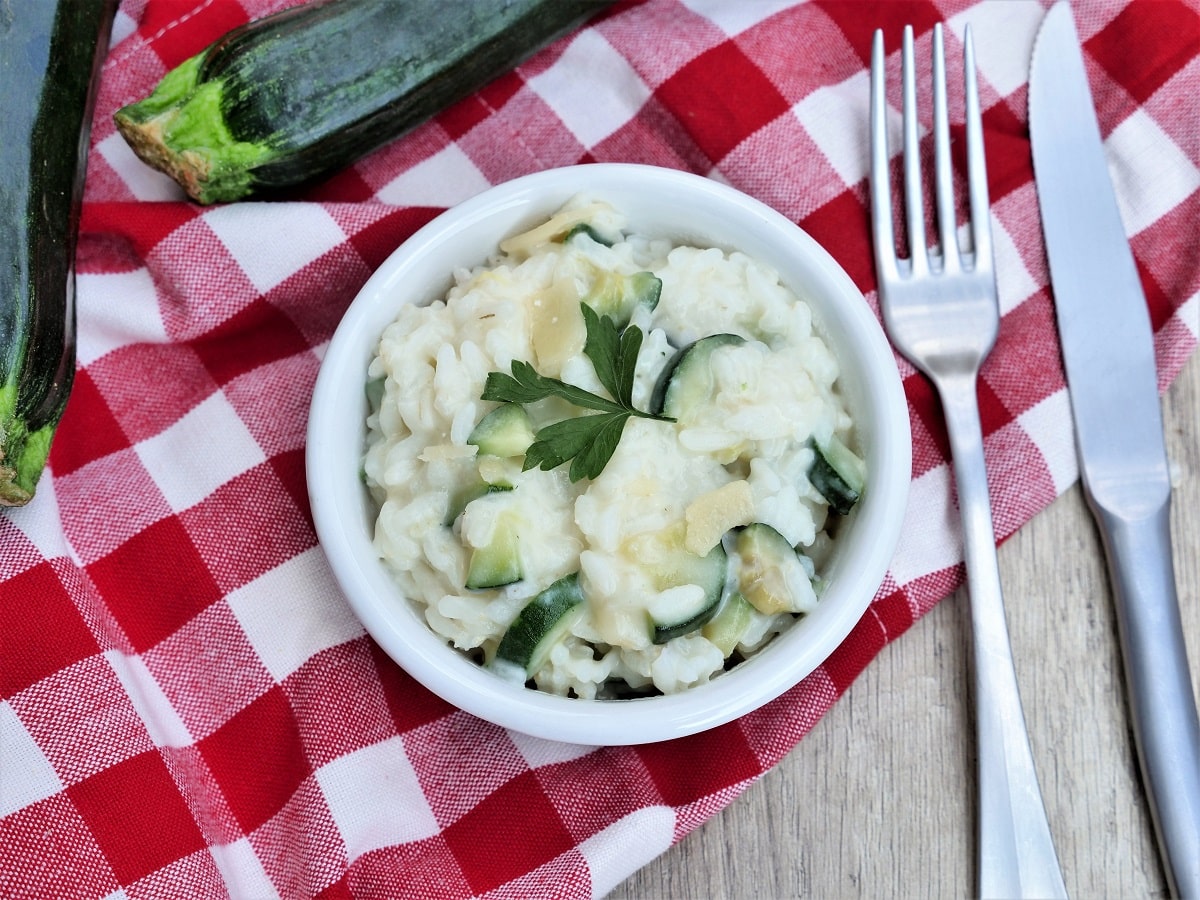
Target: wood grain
x=879, y=800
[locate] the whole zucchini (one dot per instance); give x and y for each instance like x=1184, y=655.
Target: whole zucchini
x=291, y=98
x=50, y=56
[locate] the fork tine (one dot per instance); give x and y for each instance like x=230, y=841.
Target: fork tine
x=881, y=192
x=943, y=177
x=977, y=188
x=913, y=194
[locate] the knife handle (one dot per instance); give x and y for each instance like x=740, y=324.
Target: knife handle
x=1162, y=704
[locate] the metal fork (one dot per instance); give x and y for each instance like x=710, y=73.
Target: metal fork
x=940, y=309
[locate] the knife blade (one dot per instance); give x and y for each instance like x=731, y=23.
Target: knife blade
x=1108, y=354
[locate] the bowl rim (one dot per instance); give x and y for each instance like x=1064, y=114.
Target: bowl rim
x=342, y=522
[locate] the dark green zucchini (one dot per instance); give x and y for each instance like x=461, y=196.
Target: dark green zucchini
x=293, y=97
x=544, y=621
x=50, y=56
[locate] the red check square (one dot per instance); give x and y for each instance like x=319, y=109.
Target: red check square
x=699, y=765
x=145, y=231
x=722, y=98
x=410, y=704
x=512, y=831
x=1167, y=30
x=205, y=23
x=840, y=226
x=252, y=337
x=861, y=646
x=154, y=583
x=258, y=759
x=88, y=429
x=137, y=815
x=859, y=20
x=43, y=631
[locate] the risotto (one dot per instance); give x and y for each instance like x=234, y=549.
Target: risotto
x=651, y=487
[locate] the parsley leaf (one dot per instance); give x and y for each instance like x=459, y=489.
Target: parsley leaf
x=589, y=441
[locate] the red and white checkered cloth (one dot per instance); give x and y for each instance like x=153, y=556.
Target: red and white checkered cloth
x=188, y=708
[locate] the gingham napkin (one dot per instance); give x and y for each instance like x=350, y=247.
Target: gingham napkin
x=187, y=706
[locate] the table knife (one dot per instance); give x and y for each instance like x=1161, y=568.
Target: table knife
x=1108, y=354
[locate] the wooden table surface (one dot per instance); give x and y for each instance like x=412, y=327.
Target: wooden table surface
x=879, y=799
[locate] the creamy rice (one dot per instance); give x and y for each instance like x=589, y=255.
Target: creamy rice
x=743, y=458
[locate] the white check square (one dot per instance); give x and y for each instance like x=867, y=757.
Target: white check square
x=1050, y=426
x=26, y=776
x=115, y=310
x=200, y=452
x=592, y=88
x=1150, y=173
x=833, y=117
x=929, y=540
x=244, y=874
x=268, y=254
x=444, y=179
x=1002, y=64
x=734, y=18
x=626, y=845
x=375, y=798
x=302, y=593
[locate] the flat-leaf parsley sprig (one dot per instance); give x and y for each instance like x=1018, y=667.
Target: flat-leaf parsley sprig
x=589, y=441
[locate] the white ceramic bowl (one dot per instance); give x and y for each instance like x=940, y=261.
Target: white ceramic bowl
x=659, y=202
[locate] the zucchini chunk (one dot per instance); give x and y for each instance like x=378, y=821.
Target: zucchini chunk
x=505, y=431
x=727, y=627
x=772, y=576
x=497, y=562
x=544, y=622
x=583, y=228
x=682, y=612
x=293, y=97
x=471, y=492
x=617, y=296
x=838, y=474
x=375, y=390
x=687, y=380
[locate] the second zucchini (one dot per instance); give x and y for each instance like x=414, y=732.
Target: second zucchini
x=295, y=96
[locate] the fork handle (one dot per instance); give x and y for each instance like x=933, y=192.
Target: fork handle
x=1016, y=851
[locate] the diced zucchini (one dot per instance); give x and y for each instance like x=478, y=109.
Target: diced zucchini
x=674, y=567
x=375, y=388
x=470, y=492
x=772, y=576
x=505, y=431
x=585, y=229
x=498, y=562
x=617, y=296
x=727, y=627
x=545, y=620
x=687, y=380
x=838, y=474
